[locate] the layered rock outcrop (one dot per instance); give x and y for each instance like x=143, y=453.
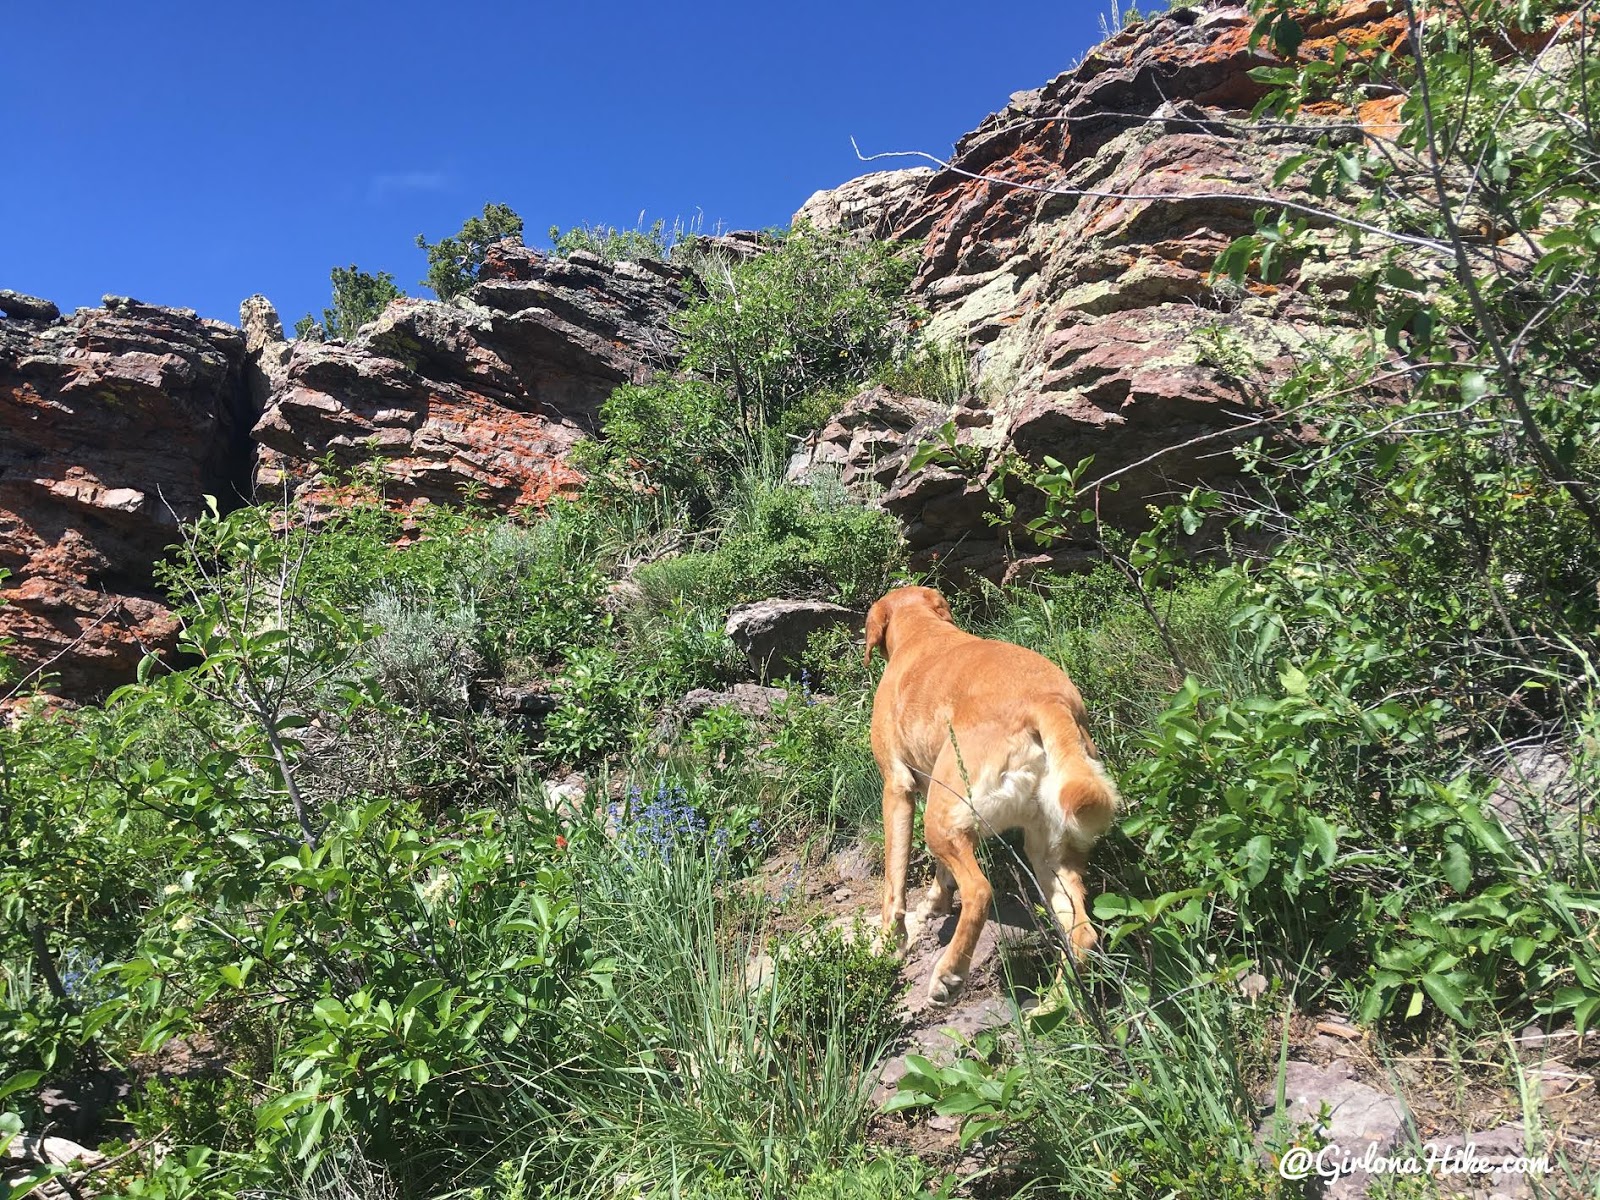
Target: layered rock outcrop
x=114, y=424
x=1068, y=248
x=481, y=398
x=875, y=205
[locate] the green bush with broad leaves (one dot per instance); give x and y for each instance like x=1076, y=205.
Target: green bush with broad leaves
x=770, y=350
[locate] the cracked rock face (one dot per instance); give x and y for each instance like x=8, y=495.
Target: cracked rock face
x=1091, y=320
x=114, y=424
x=483, y=397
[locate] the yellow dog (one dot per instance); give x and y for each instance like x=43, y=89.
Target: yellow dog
x=997, y=738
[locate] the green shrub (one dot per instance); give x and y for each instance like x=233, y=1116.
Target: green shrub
x=818, y=313
x=358, y=298
x=425, y=658
x=693, y=1082
x=769, y=350
x=934, y=371
x=1093, y=626
x=821, y=747
x=810, y=542
x=454, y=262
x=610, y=243
x=532, y=591
x=720, y=737
x=835, y=984
x=596, y=706
x=682, y=645
x=679, y=434
x=778, y=540
x=538, y=588
x=1169, y=1087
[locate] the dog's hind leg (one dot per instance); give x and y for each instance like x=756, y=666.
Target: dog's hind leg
x=899, y=808
x=1073, y=862
x=951, y=823
x=1060, y=875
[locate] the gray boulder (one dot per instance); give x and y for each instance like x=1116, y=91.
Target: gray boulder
x=772, y=634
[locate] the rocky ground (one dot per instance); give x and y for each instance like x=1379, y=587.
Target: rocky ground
x=1394, y=1098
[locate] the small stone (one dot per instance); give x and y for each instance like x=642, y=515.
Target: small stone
x=853, y=864
x=566, y=795
x=1556, y=1081
x=1360, y=1115
x=759, y=971
x=1339, y=1029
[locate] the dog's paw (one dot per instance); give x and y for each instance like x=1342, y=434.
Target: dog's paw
x=891, y=944
x=1084, y=939
x=892, y=938
x=943, y=988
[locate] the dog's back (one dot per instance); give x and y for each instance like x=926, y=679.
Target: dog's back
x=1013, y=716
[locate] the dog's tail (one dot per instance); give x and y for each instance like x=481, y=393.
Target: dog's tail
x=1088, y=795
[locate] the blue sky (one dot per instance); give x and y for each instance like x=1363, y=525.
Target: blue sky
x=193, y=153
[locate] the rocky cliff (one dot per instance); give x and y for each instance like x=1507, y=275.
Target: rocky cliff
x=1068, y=246
x=1065, y=248
x=113, y=424
x=484, y=396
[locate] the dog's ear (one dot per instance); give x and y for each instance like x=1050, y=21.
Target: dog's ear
x=877, y=626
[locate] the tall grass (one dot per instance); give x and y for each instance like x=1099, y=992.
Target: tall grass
x=697, y=1071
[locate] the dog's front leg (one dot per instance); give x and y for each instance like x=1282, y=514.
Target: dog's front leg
x=899, y=808
x=942, y=891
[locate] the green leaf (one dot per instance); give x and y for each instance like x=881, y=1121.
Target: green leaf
x=1109, y=906
x=1447, y=995
x=906, y=1098
x=1457, y=867
x=419, y=993
x=1583, y=1012
x=20, y=1082
x=271, y=1115
x=330, y=1012
x=1324, y=837
x=1257, y=858
x=1287, y=36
